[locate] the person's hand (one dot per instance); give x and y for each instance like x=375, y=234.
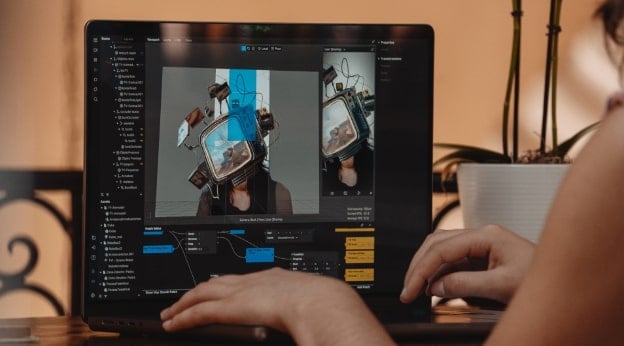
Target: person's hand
x=313, y=309
x=489, y=262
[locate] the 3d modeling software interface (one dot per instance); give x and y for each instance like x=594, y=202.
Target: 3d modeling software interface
x=230, y=157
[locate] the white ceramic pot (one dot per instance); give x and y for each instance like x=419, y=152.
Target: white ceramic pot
x=517, y=196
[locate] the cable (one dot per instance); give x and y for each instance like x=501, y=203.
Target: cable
x=188, y=264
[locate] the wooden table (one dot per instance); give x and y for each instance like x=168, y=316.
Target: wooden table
x=73, y=331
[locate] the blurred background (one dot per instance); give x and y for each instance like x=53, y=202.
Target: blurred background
x=41, y=86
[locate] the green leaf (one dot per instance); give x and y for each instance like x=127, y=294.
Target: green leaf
x=462, y=147
x=465, y=153
x=564, y=147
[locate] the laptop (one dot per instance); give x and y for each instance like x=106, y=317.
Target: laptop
x=229, y=148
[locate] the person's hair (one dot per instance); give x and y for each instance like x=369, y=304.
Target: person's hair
x=611, y=13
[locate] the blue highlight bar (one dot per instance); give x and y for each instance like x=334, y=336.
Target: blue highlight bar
x=157, y=249
x=153, y=233
x=260, y=255
x=243, y=105
x=242, y=123
x=237, y=232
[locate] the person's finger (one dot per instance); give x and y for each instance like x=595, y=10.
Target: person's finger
x=191, y=316
x=419, y=284
x=437, y=236
x=463, y=265
x=225, y=311
x=452, y=249
x=482, y=284
x=446, y=269
x=232, y=309
x=215, y=288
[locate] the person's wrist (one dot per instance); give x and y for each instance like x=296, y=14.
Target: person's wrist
x=350, y=322
x=306, y=318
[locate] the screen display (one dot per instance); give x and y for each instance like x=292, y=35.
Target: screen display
x=216, y=149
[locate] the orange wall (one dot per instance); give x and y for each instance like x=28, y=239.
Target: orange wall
x=41, y=62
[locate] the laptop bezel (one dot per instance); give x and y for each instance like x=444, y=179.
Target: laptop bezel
x=404, y=215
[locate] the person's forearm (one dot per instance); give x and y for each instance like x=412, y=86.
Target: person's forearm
x=344, y=322
x=572, y=293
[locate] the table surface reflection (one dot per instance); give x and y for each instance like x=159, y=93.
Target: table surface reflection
x=73, y=331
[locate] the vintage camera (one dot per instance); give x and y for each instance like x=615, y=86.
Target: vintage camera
x=233, y=144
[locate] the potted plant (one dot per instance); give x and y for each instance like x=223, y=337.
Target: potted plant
x=488, y=192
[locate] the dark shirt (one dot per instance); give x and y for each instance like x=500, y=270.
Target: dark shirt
x=363, y=164
x=261, y=191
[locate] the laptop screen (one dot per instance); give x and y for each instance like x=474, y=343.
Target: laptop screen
x=220, y=148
